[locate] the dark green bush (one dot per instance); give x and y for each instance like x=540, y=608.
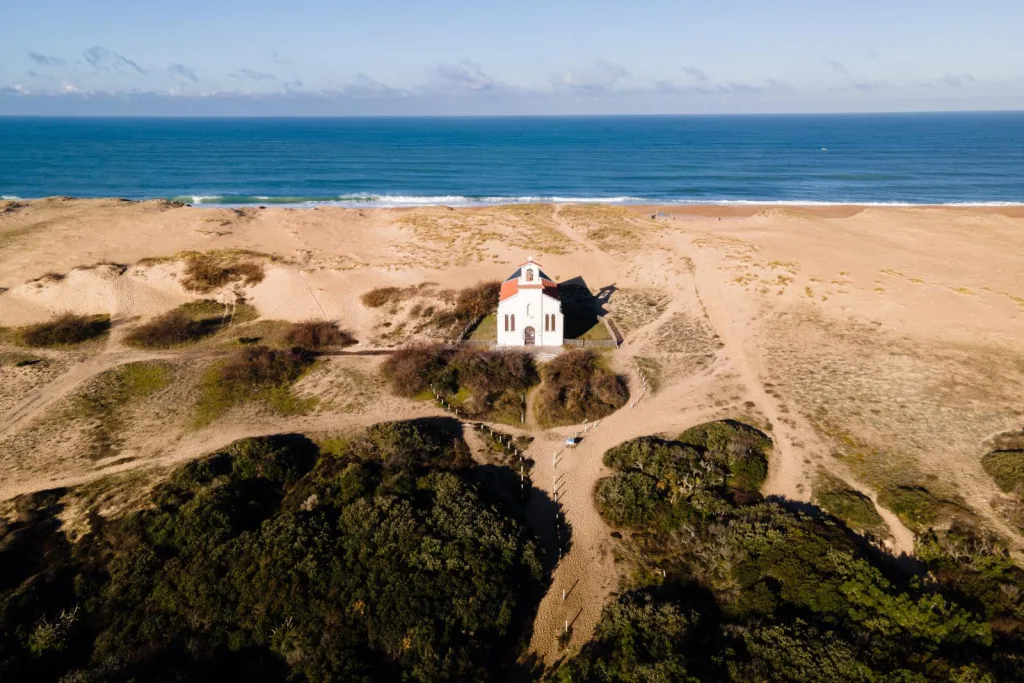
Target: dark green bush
x=741, y=446
x=727, y=587
x=66, y=330
x=851, y=506
x=268, y=561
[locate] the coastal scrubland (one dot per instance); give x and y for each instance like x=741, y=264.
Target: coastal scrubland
x=725, y=585
x=381, y=558
x=850, y=499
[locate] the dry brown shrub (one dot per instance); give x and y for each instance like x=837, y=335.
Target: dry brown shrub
x=207, y=272
x=318, y=334
x=382, y=296
x=414, y=368
x=65, y=330
x=173, y=328
x=577, y=387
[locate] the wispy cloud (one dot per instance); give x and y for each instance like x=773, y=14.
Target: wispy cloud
x=45, y=60
x=465, y=75
x=253, y=75
x=100, y=58
x=182, y=71
x=838, y=67
x=695, y=73
x=957, y=80
x=865, y=84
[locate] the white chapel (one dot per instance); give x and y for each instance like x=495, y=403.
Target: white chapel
x=529, y=311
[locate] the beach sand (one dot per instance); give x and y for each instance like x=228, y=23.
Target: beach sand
x=882, y=345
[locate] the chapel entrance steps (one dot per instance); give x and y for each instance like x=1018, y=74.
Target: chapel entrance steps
x=542, y=354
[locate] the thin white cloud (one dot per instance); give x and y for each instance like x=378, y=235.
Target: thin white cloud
x=601, y=76
x=253, y=75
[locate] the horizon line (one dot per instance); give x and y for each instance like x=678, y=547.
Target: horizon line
x=513, y=116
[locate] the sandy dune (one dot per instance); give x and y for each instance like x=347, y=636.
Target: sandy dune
x=883, y=345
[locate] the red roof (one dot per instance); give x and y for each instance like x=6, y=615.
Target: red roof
x=510, y=288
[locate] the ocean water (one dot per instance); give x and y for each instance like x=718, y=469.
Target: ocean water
x=968, y=158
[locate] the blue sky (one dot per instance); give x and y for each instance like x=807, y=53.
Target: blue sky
x=225, y=57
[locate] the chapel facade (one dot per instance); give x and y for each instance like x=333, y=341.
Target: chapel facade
x=529, y=309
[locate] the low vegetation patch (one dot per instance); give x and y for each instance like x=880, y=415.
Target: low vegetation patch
x=105, y=400
x=919, y=508
x=484, y=384
x=174, y=328
x=1007, y=469
x=272, y=560
x=314, y=335
x=486, y=329
x=727, y=587
x=835, y=497
x=189, y=323
x=384, y=296
x=578, y=386
x=209, y=271
x=19, y=360
x=66, y=330
x=253, y=373
x=652, y=372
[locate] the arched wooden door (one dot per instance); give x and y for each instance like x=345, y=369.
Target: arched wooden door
x=529, y=336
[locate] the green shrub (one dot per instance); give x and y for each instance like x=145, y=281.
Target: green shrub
x=577, y=387
x=741, y=446
x=317, y=334
x=66, y=330
x=636, y=641
x=848, y=504
x=919, y=508
x=630, y=499
x=1006, y=468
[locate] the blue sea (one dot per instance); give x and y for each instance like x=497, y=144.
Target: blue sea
x=964, y=158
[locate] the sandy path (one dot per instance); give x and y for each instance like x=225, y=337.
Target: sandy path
x=588, y=571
